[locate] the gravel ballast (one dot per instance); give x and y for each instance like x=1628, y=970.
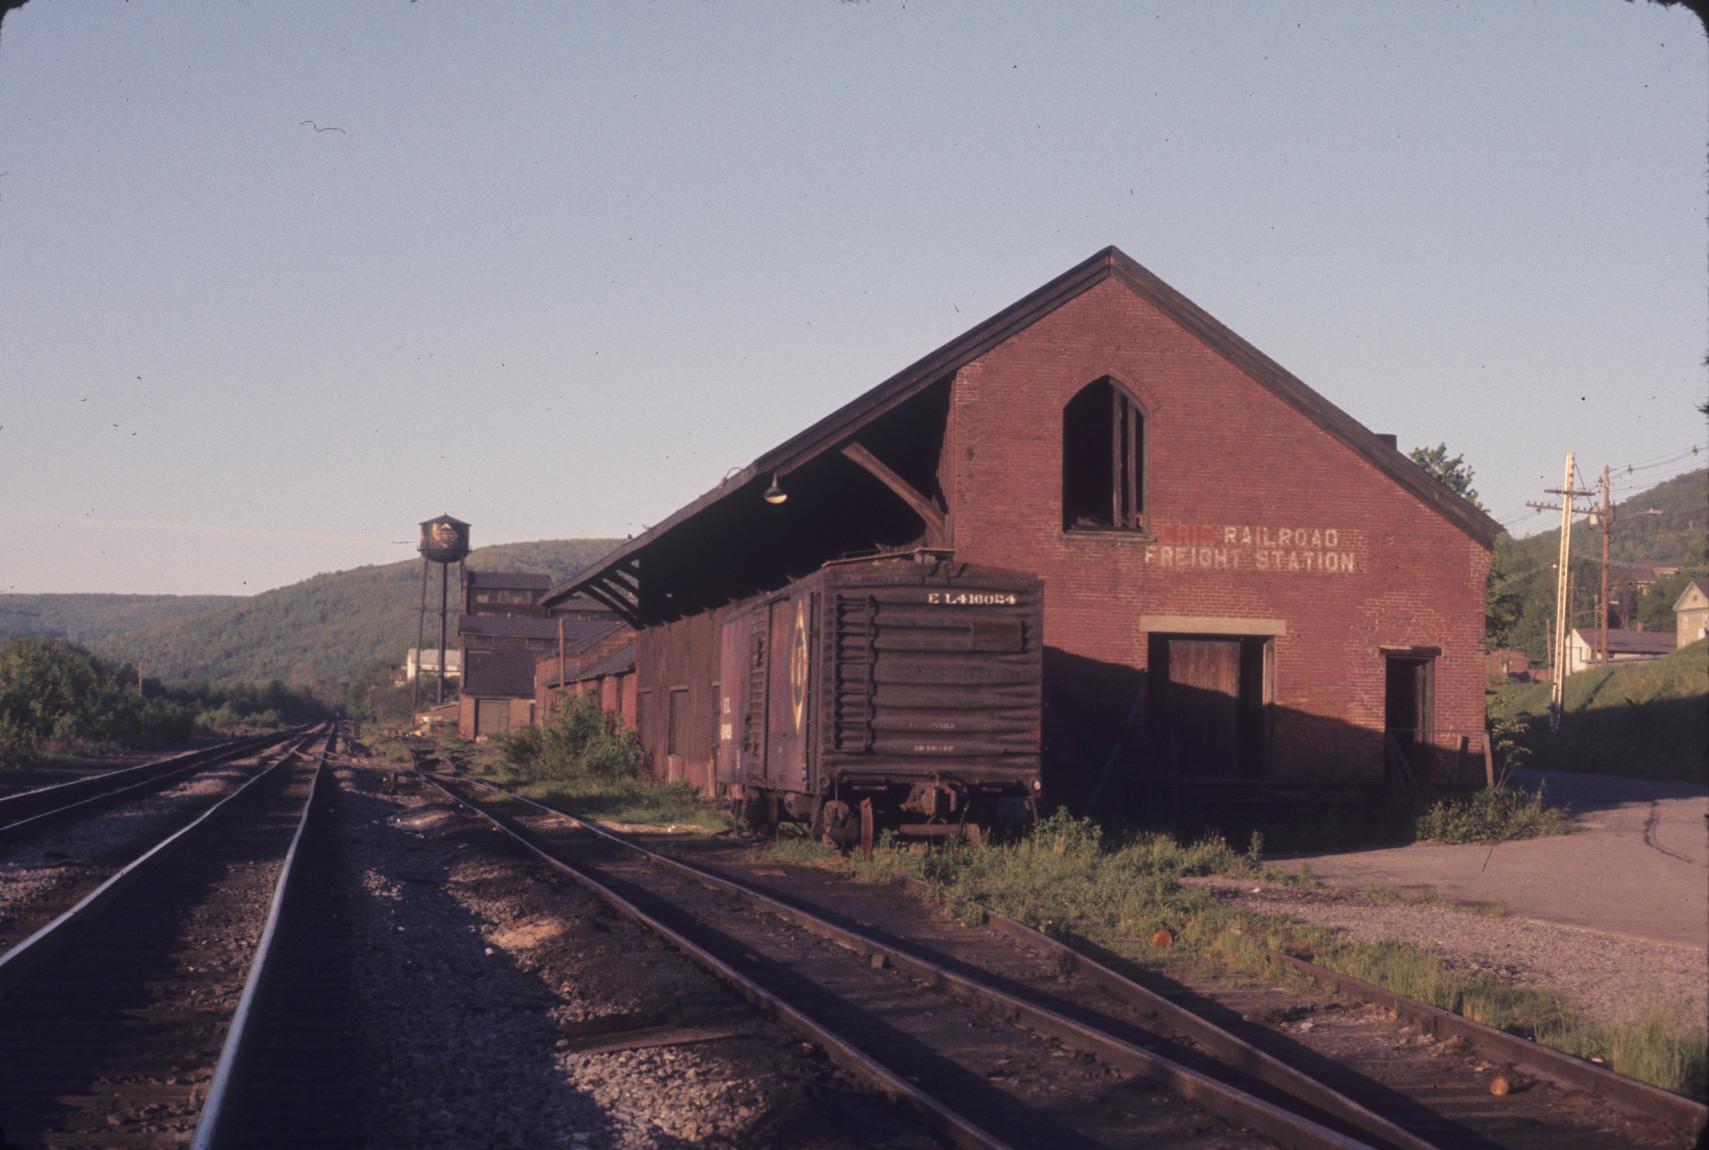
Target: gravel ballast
x=1613, y=977
x=500, y=1004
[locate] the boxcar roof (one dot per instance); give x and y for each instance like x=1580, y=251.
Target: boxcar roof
x=837, y=428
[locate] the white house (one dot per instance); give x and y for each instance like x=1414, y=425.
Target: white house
x=1623, y=647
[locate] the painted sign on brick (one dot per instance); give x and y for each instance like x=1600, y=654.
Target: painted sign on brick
x=1262, y=547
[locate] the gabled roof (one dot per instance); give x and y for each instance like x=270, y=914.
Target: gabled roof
x=1694, y=585
x=841, y=425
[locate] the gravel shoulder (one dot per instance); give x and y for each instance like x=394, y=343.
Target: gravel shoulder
x=1611, y=977
x=499, y=1004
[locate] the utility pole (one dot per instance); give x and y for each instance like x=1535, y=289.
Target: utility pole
x=1563, y=589
x=1607, y=529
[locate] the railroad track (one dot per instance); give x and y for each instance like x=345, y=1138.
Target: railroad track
x=54, y=860
x=1414, y=1066
x=33, y=810
x=115, y=1011
x=982, y=1066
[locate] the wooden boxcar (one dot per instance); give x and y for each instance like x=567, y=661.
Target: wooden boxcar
x=911, y=682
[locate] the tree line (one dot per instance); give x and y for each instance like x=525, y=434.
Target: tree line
x=56, y=694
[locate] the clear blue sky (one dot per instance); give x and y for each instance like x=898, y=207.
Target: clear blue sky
x=563, y=265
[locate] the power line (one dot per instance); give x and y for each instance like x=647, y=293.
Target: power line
x=1660, y=460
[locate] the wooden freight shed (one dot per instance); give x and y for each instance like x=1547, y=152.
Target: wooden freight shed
x=603, y=668
x=1245, y=590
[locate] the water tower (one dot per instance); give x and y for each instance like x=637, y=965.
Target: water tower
x=443, y=541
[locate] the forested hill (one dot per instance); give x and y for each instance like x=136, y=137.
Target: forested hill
x=88, y=618
x=1664, y=526
x=322, y=631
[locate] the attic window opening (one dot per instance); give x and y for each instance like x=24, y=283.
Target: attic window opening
x=1103, y=460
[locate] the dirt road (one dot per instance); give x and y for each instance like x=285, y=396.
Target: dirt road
x=1637, y=866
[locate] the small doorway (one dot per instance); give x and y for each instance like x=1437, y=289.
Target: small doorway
x=492, y=717
x=676, y=733
x=1210, y=697
x=1409, y=682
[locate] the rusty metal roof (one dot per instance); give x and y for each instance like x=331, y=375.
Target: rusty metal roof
x=613, y=663
x=841, y=425
x=1625, y=642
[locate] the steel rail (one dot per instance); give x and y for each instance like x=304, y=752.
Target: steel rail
x=1567, y=1071
x=1210, y=1093
x=1228, y=1047
x=144, y=774
x=214, y=1123
x=23, y=959
x=958, y=1130
x=1557, y=1067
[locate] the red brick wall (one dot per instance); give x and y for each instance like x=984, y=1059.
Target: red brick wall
x=1221, y=452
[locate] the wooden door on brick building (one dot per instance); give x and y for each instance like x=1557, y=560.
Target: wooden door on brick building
x=1208, y=701
x=492, y=717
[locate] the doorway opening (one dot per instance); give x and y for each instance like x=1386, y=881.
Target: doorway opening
x=1210, y=697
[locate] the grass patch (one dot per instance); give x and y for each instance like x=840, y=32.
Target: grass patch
x=616, y=797
x=1069, y=880
x=633, y=799
x=1652, y=1048
x=392, y=752
x=1491, y=816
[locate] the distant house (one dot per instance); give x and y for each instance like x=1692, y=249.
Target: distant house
x=425, y=662
x=1623, y=647
x=1691, y=614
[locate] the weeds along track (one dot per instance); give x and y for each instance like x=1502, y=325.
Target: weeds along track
x=49, y=864
x=115, y=1012
x=979, y=1065
x=1424, y=1071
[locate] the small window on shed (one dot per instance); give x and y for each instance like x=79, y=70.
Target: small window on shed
x=1103, y=458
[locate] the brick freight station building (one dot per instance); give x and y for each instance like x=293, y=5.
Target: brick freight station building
x=1245, y=589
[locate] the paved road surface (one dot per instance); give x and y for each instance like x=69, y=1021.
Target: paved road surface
x=1638, y=865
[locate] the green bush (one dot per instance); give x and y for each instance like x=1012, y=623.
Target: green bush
x=580, y=742
x=1492, y=816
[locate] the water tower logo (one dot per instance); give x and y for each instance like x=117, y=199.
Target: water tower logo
x=444, y=540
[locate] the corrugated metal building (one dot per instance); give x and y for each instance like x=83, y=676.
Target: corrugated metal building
x=1245, y=590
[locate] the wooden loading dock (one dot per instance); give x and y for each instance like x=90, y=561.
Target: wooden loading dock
x=1246, y=592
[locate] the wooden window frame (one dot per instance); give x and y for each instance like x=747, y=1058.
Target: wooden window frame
x=1126, y=429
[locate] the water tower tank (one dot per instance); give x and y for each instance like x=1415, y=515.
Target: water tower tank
x=444, y=540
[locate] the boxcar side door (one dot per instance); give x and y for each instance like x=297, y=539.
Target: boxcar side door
x=735, y=669
x=789, y=694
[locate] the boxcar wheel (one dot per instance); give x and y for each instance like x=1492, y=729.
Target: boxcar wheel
x=835, y=824
x=752, y=811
